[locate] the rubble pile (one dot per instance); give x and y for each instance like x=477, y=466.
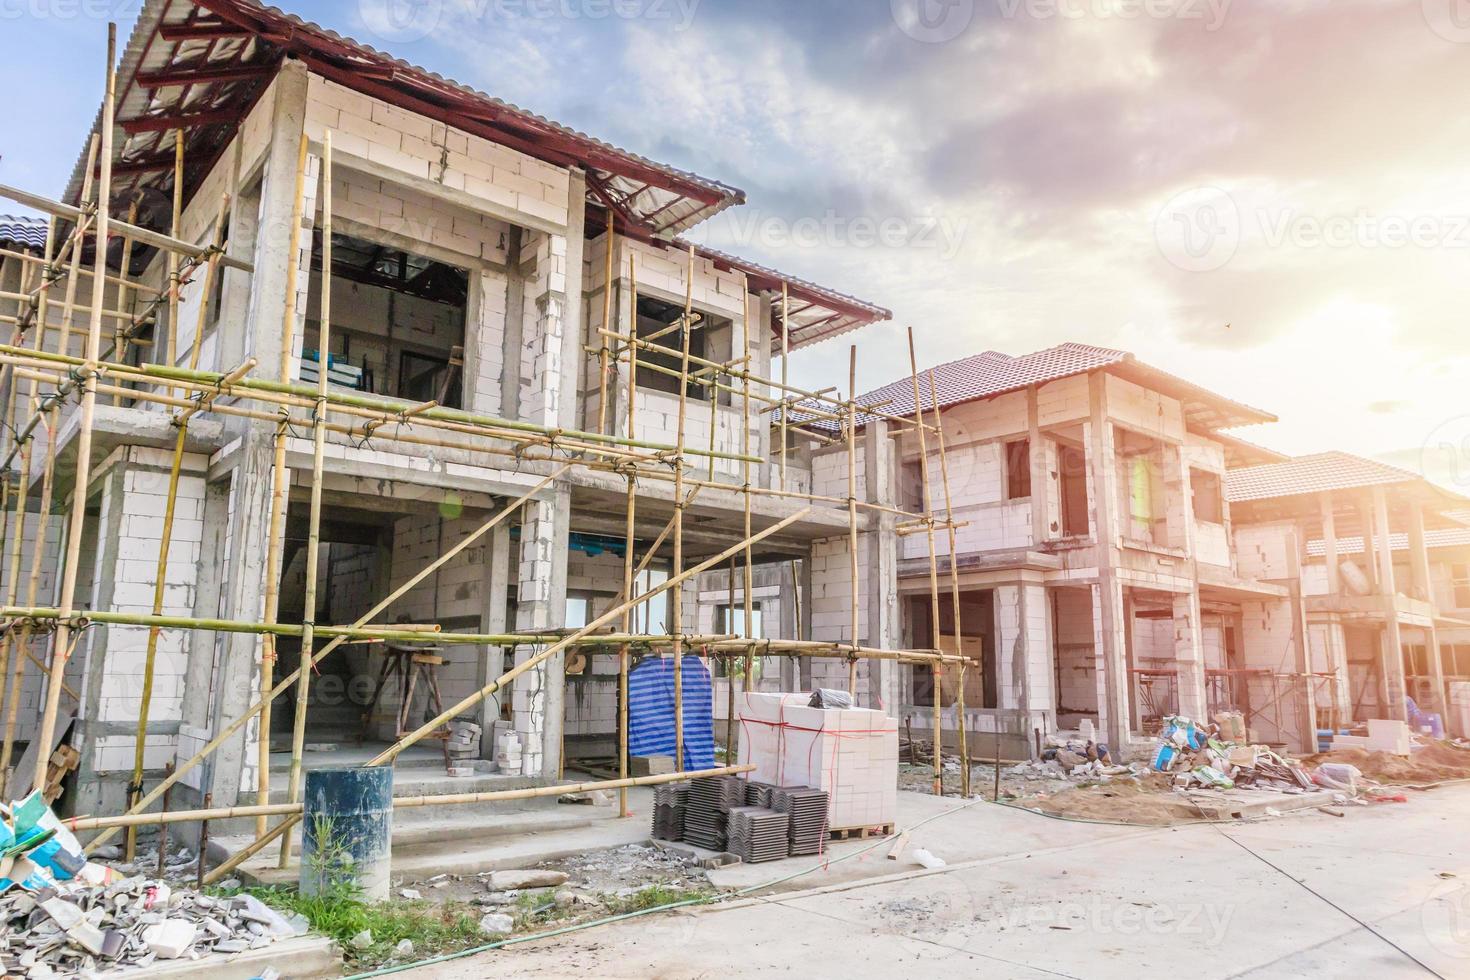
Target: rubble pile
x=1219, y=756
x=64, y=916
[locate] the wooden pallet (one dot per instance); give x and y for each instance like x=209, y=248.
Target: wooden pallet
x=861, y=833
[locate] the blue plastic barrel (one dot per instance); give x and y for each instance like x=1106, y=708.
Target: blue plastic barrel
x=348, y=831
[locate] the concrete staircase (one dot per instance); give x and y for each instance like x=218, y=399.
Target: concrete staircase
x=456, y=838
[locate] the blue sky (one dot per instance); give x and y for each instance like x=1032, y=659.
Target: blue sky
x=1266, y=198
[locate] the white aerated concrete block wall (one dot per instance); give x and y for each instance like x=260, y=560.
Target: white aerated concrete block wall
x=419, y=147
x=137, y=510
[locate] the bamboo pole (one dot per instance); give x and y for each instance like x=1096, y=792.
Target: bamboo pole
x=852, y=528
x=61, y=648
x=84, y=824
x=628, y=541
x=933, y=564
x=340, y=636
x=176, y=229
x=729, y=675
x=120, y=336
x=314, y=518
x=165, y=540
x=745, y=465
x=954, y=585
x=392, y=752
x=607, y=307
x=38, y=546
x=785, y=355
x=280, y=495
x=676, y=596
x=144, y=236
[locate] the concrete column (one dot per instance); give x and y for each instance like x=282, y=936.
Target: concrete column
x=1393, y=644
x=244, y=572
x=1329, y=542
x=572, y=360
x=515, y=320
x=1041, y=483
x=541, y=596
x=1108, y=609
x=879, y=465
x=1424, y=589
x=493, y=620
x=760, y=366
x=1299, y=637
x=1189, y=656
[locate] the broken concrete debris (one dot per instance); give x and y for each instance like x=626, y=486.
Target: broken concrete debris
x=62, y=915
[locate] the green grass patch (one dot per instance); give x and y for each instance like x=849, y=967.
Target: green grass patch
x=340, y=914
x=655, y=895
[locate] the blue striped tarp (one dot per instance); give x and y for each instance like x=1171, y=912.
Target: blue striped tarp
x=651, y=711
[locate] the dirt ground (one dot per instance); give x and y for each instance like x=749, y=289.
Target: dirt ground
x=595, y=877
x=1434, y=763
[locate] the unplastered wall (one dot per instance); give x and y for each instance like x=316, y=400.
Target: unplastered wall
x=1023, y=648
x=1078, y=661
x=384, y=134
x=831, y=606
x=592, y=696
x=134, y=500
x=1149, y=412
x=366, y=319
x=454, y=596
x=1062, y=402
x=1264, y=551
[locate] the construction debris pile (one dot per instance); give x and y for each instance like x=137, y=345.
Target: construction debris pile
x=1219, y=756
x=63, y=915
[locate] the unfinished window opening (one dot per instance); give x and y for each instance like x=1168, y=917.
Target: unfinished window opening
x=1209, y=502
x=651, y=616
x=1072, y=463
x=1018, y=469
x=1077, y=678
x=658, y=370
x=977, y=643
x=356, y=553
x=1141, y=488
x=1152, y=662
x=1460, y=579
x=398, y=322
x=911, y=486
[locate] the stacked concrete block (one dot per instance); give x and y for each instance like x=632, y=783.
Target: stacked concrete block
x=849, y=753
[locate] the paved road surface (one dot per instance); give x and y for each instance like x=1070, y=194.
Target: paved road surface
x=1025, y=896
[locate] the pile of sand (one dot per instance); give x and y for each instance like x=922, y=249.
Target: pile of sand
x=1149, y=799
x=1434, y=763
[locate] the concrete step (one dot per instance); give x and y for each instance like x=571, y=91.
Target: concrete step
x=474, y=840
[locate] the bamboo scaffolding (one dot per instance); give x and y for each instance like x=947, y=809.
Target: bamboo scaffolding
x=745, y=463
x=82, y=824
x=607, y=307
x=314, y=514
x=852, y=526
x=280, y=493
x=143, y=236
x=61, y=648
x=933, y=564
x=287, y=630
x=189, y=391
x=165, y=539
x=676, y=599
x=785, y=356
x=628, y=574
x=392, y=752
x=954, y=588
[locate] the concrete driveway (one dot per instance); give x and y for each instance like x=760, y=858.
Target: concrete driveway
x=1027, y=896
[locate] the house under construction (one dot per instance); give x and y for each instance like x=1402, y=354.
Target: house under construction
x=346, y=402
